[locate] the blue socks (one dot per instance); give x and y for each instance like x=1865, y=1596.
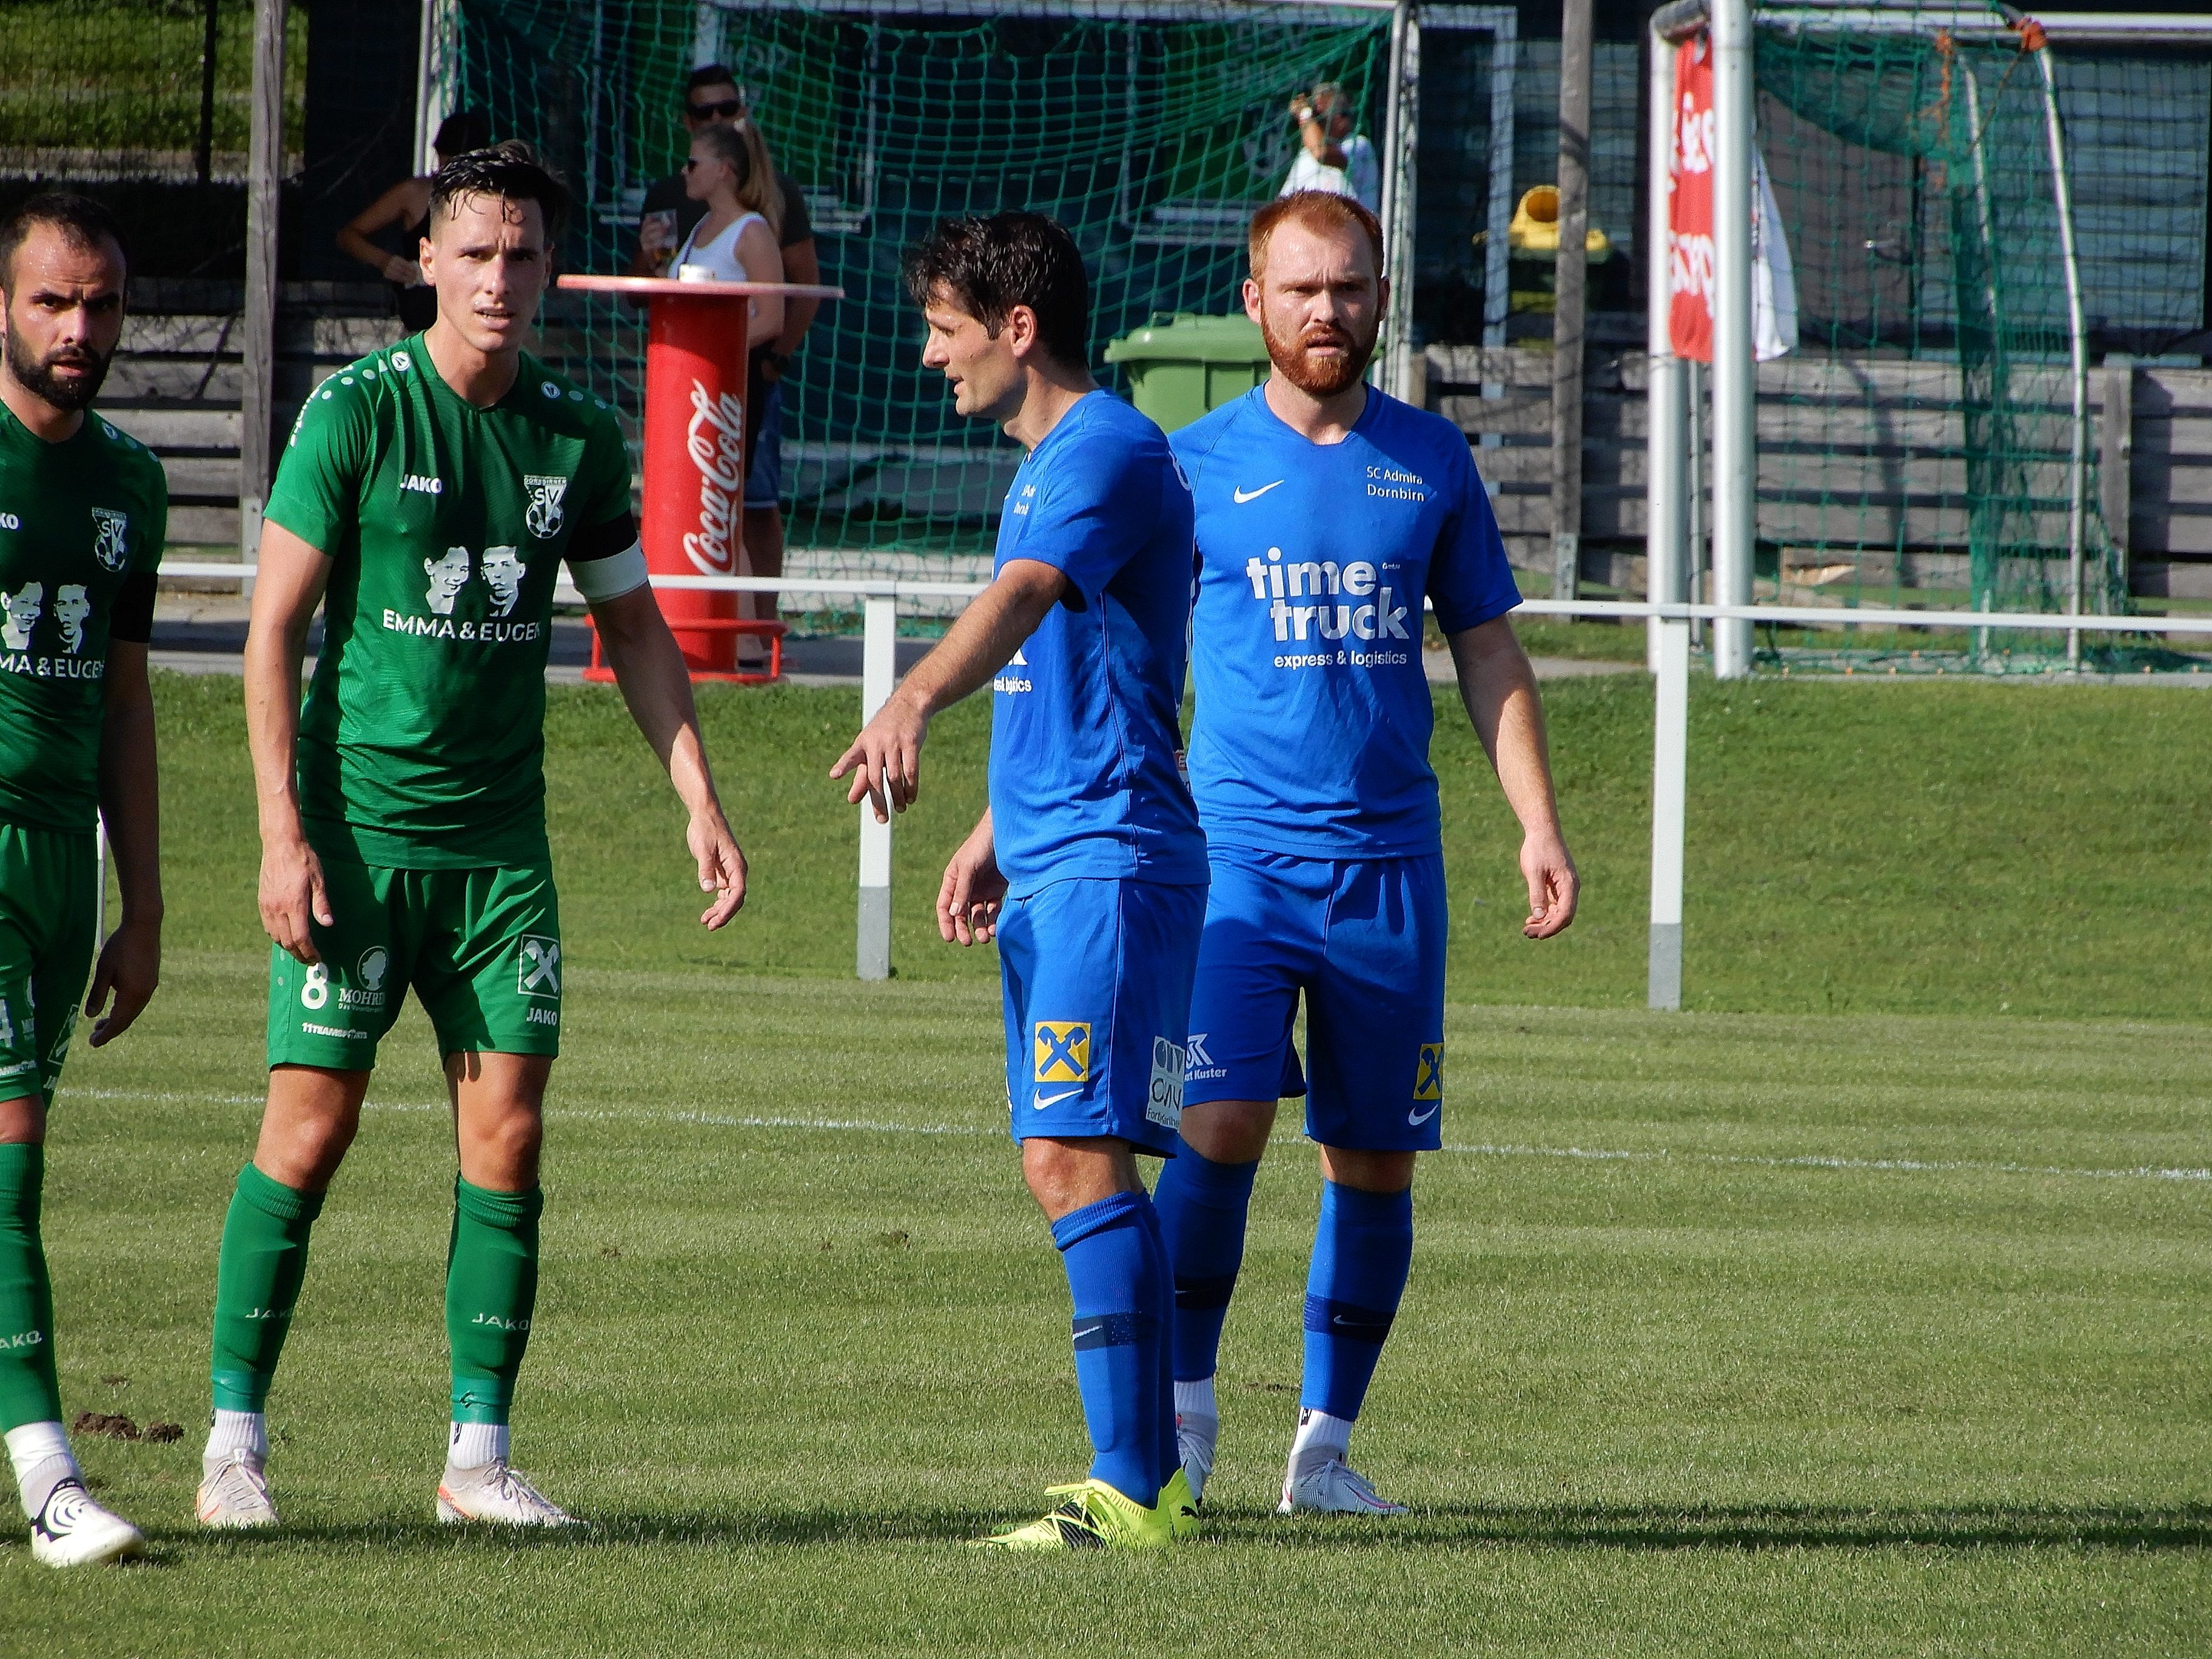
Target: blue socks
x=1203, y=1206
x=1363, y=1247
x=1117, y=1275
x=1127, y=1256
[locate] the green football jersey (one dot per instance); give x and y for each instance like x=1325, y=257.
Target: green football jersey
x=423, y=740
x=81, y=530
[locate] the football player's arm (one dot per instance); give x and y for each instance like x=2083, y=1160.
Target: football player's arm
x=1498, y=688
x=657, y=687
x=885, y=759
x=288, y=585
x=970, y=897
x=130, y=965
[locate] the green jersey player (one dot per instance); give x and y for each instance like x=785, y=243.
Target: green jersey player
x=82, y=512
x=427, y=499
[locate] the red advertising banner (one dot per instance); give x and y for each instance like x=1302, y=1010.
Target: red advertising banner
x=1690, y=203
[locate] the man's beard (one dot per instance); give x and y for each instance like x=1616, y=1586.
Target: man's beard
x=1326, y=377
x=36, y=376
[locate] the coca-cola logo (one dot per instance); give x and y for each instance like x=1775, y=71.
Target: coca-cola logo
x=715, y=441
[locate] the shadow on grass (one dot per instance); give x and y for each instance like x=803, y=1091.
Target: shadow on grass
x=1638, y=1528
x=2180, y=1529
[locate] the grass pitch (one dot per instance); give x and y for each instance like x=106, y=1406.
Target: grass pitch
x=1748, y=1330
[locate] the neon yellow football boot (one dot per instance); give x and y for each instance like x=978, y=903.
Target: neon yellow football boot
x=1094, y=1517
x=1180, y=1508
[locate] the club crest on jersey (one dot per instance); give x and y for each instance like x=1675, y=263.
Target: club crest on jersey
x=544, y=514
x=111, y=531
x=1063, y=1051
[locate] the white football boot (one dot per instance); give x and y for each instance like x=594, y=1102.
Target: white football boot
x=1333, y=1487
x=495, y=1494
x=236, y=1494
x=1196, y=1435
x=74, y=1531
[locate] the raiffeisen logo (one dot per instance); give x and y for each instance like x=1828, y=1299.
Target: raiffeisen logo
x=1280, y=583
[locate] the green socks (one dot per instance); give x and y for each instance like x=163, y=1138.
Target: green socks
x=491, y=1289
x=265, y=1258
x=28, y=1391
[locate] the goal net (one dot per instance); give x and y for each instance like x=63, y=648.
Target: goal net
x=1931, y=441
x=1150, y=130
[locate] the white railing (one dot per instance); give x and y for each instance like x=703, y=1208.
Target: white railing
x=1670, y=656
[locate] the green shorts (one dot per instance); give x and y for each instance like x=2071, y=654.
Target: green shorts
x=482, y=947
x=49, y=920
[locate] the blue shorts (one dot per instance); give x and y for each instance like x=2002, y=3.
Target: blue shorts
x=764, y=470
x=1364, y=940
x=1097, y=979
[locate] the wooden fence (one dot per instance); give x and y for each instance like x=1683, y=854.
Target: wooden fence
x=1853, y=451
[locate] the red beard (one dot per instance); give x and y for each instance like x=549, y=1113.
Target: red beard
x=1320, y=377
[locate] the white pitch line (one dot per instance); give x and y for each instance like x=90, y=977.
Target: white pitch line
x=1484, y=1149
x=1823, y=1161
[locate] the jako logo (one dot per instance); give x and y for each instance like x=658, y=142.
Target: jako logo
x=9, y=521
x=423, y=485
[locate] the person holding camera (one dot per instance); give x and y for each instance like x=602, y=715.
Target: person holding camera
x=1334, y=157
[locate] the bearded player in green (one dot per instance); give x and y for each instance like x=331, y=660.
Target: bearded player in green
x=428, y=498
x=82, y=512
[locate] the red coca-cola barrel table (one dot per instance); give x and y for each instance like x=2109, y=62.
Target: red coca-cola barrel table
x=695, y=447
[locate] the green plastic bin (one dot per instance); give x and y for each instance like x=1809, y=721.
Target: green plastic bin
x=1181, y=365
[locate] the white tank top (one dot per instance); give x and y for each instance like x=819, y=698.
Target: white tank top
x=718, y=253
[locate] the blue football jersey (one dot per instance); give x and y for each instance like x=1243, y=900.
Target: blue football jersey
x=1085, y=720
x=1312, y=733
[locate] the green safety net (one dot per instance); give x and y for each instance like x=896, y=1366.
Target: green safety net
x=1931, y=442
x=1151, y=131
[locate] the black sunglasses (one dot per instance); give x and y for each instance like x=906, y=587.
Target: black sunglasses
x=723, y=109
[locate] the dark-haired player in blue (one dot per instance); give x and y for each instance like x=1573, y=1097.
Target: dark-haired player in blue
x=1326, y=513
x=1089, y=866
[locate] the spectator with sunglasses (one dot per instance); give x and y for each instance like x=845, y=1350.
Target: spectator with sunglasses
x=711, y=98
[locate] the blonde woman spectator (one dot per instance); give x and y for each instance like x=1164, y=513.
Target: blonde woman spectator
x=730, y=172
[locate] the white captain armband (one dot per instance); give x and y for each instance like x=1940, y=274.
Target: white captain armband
x=612, y=576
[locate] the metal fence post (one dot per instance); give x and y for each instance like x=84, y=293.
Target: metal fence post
x=1666, y=509
x=879, y=672
x=1670, y=748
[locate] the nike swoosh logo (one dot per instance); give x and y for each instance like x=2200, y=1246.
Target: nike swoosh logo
x=1088, y=1330
x=1044, y=1101
x=1241, y=496
x=1417, y=1119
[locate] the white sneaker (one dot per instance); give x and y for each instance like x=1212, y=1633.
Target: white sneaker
x=494, y=1492
x=74, y=1531
x=1332, y=1488
x=1196, y=1435
x=237, y=1494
